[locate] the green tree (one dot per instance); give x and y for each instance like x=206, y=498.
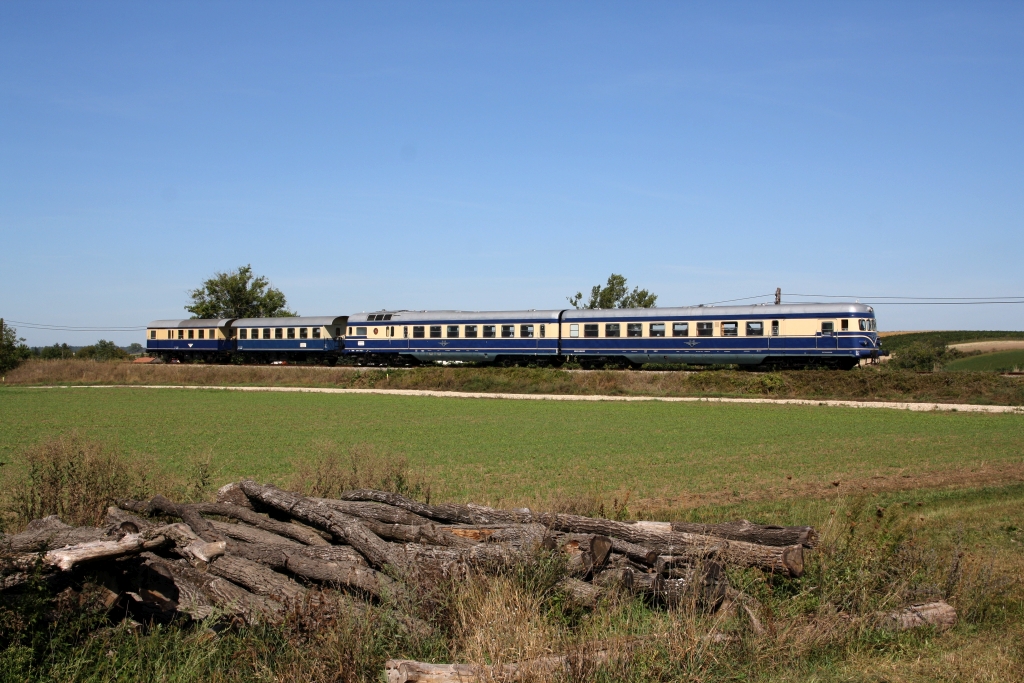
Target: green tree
x=102, y=350
x=56, y=352
x=615, y=294
x=13, y=349
x=238, y=294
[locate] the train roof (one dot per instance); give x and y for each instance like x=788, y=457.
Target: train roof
x=764, y=310
x=293, y=321
x=192, y=322
x=469, y=316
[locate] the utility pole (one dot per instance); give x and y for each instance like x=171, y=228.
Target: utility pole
x=778, y=295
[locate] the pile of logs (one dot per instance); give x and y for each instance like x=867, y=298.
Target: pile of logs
x=259, y=548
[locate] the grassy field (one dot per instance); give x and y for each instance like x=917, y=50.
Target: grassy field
x=895, y=342
x=990, y=362
x=928, y=505
x=664, y=455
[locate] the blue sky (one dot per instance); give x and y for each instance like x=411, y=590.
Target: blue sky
x=505, y=155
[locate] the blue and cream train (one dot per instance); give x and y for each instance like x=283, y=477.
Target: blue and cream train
x=793, y=335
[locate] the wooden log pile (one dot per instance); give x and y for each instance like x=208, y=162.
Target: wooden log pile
x=259, y=550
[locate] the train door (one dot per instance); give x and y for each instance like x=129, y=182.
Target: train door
x=827, y=336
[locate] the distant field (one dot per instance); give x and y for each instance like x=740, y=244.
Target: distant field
x=894, y=342
x=666, y=455
x=1000, y=361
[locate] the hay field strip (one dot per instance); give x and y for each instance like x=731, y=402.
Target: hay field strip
x=675, y=455
x=894, y=405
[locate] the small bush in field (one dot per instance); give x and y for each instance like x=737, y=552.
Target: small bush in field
x=330, y=472
x=73, y=478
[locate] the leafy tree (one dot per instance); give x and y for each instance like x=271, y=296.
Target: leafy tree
x=238, y=294
x=135, y=347
x=102, y=350
x=615, y=294
x=13, y=349
x=55, y=352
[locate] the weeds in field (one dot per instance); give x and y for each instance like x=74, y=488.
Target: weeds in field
x=364, y=466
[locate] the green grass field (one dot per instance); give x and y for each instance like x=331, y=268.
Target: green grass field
x=895, y=342
x=494, y=451
x=990, y=362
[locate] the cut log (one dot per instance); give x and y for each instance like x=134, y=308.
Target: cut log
x=232, y=494
x=335, y=573
x=448, y=512
x=301, y=534
x=380, y=512
x=158, y=505
x=582, y=593
x=578, y=666
x=705, y=584
x=257, y=578
x=637, y=553
x=249, y=534
x=49, y=533
x=939, y=614
x=786, y=559
x=125, y=522
x=198, y=589
x=743, y=530
x=587, y=552
x=377, y=552
x=131, y=544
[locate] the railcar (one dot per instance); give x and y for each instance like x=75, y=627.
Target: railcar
x=190, y=340
x=317, y=339
x=480, y=336
x=297, y=339
x=795, y=335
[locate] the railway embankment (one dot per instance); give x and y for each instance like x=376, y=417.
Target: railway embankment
x=862, y=384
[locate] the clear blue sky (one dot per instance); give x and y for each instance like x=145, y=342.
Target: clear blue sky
x=487, y=155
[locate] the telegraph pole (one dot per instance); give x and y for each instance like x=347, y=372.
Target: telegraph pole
x=778, y=295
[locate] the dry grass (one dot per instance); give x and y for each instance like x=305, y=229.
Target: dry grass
x=869, y=383
x=364, y=466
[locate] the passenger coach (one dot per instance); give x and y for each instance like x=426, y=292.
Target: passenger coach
x=295, y=338
x=190, y=339
x=423, y=336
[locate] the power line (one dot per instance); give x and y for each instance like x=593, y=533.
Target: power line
x=69, y=328
x=912, y=298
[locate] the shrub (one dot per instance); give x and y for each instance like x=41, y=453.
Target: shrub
x=73, y=478
x=330, y=472
x=102, y=350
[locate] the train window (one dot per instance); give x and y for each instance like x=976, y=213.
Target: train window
x=526, y=331
x=775, y=328
x=730, y=329
x=845, y=324
x=417, y=332
x=755, y=329
x=152, y=334
x=435, y=331
x=191, y=334
x=303, y=333
x=405, y=332
x=243, y=334
x=471, y=331
x=827, y=327
x=201, y=334
x=387, y=317
x=590, y=330
x=291, y=333
x=170, y=334
x=680, y=329
x=316, y=333
x=508, y=331
x=453, y=331
x=266, y=333
x=657, y=329
x=489, y=331
x=635, y=330
x=278, y=333
x=181, y=334
x=873, y=327
x=705, y=329
x=350, y=330
x=543, y=330
x=861, y=325
x=360, y=331
x=611, y=330
x=574, y=330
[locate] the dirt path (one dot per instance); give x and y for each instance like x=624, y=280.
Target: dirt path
x=894, y=405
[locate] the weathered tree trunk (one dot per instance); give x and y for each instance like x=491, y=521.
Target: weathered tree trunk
x=49, y=533
x=257, y=578
x=197, y=589
x=449, y=512
x=787, y=559
x=583, y=593
x=131, y=544
x=743, y=530
x=293, y=531
x=188, y=514
x=389, y=514
x=125, y=522
x=577, y=666
x=939, y=614
x=336, y=573
x=376, y=551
